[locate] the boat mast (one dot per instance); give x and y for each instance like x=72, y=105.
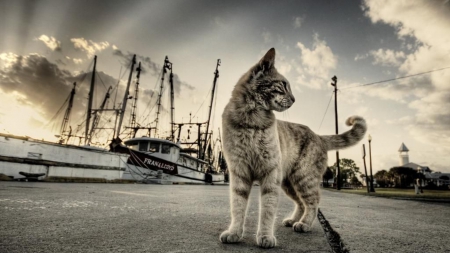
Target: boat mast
x=125, y=97
x=67, y=114
x=91, y=97
x=166, y=65
x=172, y=106
x=98, y=113
x=216, y=76
x=133, y=127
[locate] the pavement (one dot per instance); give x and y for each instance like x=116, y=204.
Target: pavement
x=70, y=217
x=374, y=224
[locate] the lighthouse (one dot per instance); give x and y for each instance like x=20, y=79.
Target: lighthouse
x=403, y=153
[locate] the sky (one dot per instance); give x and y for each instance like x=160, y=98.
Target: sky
x=46, y=46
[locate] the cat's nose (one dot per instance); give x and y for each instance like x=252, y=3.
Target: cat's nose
x=293, y=99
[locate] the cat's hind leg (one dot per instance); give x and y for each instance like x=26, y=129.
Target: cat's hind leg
x=308, y=190
x=240, y=187
x=270, y=186
x=299, y=209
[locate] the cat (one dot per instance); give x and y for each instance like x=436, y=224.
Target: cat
x=258, y=147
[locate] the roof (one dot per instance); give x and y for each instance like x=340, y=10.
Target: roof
x=416, y=166
x=144, y=138
x=436, y=175
x=403, y=148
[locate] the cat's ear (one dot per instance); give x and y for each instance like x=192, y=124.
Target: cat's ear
x=265, y=64
x=268, y=61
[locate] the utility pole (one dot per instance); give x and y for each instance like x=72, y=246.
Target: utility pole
x=338, y=169
x=370, y=156
x=365, y=168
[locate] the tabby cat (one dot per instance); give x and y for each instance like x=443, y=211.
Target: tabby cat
x=258, y=147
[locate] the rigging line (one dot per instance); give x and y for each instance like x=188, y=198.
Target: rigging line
x=206, y=97
x=326, y=111
x=150, y=100
x=57, y=113
x=116, y=87
x=156, y=103
x=215, y=103
x=393, y=79
x=99, y=77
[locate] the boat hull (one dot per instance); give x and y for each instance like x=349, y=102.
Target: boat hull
x=23, y=154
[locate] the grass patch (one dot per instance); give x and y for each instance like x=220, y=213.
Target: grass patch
x=399, y=193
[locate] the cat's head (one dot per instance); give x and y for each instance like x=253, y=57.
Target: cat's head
x=268, y=88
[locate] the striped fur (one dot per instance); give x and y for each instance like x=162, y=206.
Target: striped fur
x=277, y=154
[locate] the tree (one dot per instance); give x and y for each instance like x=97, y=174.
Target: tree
x=403, y=176
x=327, y=176
x=349, y=170
x=382, y=178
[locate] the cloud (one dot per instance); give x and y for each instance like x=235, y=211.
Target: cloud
x=77, y=60
x=387, y=57
x=36, y=82
x=74, y=60
x=51, y=42
x=316, y=64
x=90, y=47
x=359, y=57
x=429, y=95
x=297, y=22
x=151, y=67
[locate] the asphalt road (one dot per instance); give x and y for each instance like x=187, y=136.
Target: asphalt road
x=374, y=224
x=57, y=217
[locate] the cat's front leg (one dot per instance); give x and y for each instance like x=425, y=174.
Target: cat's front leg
x=270, y=187
x=240, y=187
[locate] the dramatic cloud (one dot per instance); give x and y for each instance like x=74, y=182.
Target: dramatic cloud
x=316, y=64
x=34, y=82
x=151, y=67
x=428, y=23
x=50, y=42
x=90, y=47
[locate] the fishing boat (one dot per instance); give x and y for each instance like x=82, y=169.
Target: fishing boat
x=149, y=155
x=147, y=159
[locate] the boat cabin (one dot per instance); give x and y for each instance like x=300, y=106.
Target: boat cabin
x=160, y=148
x=193, y=163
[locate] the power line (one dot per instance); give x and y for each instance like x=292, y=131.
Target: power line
x=326, y=110
x=393, y=79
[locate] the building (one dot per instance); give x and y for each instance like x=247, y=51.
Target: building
x=437, y=178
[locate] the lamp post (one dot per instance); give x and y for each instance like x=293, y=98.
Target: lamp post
x=370, y=158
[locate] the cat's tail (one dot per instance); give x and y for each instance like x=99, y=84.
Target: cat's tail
x=349, y=138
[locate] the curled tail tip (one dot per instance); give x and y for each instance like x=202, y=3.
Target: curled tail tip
x=354, y=119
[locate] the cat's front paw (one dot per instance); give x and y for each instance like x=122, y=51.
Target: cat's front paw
x=229, y=237
x=301, y=227
x=266, y=241
x=288, y=222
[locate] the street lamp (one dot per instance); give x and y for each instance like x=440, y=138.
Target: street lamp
x=370, y=157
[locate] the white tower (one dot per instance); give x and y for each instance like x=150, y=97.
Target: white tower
x=403, y=152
